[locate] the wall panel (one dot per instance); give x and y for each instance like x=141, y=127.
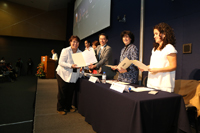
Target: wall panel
x=23, y=21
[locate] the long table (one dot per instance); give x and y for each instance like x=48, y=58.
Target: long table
x=109, y=111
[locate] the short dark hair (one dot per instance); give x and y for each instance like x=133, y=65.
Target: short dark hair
x=129, y=33
x=74, y=37
x=88, y=41
x=103, y=34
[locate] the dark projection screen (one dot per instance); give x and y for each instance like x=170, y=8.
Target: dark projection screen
x=90, y=16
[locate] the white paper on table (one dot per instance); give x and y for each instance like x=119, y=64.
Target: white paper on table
x=111, y=81
x=87, y=74
x=140, y=89
x=93, y=79
x=117, y=87
x=153, y=92
x=84, y=58
x=124, y=83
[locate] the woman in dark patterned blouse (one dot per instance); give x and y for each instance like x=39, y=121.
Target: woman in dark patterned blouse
x=129, y=75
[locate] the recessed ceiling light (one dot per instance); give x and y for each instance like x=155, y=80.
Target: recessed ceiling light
x=5, y=4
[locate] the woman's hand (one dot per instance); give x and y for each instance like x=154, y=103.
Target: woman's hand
x=74, y=66
x=114, y=67
x=141, y=69
x=122, y=70
x=154, y=70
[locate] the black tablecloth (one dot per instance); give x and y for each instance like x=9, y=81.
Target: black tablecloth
x=109, y=111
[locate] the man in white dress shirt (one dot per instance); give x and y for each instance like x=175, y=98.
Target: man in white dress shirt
x=54, y=55
x=87, y=45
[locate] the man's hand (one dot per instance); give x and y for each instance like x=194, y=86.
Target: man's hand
x=91, y=66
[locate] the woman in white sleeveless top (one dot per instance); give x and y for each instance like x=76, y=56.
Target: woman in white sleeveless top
x=163, y=60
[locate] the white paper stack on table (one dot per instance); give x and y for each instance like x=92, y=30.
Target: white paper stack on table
x=111, y=81
x=140, y=89
x=84, y=58
x=126, y=63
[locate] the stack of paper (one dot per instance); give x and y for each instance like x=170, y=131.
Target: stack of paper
x=111, y=81
x=140, y=89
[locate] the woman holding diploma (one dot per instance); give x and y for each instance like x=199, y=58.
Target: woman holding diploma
x=163, y=59
x=129, y=75
x=67, y=75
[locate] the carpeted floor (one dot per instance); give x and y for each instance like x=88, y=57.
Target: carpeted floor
x=47, y=120
x=17, y=101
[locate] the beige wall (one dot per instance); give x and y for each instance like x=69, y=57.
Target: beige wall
x=23, y=21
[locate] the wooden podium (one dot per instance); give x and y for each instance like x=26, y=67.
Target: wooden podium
x=49, y=67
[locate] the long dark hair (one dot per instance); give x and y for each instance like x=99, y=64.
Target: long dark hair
x=169, y=38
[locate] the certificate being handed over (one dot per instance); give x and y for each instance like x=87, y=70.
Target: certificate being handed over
x=126, y=63
x=84, y=58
